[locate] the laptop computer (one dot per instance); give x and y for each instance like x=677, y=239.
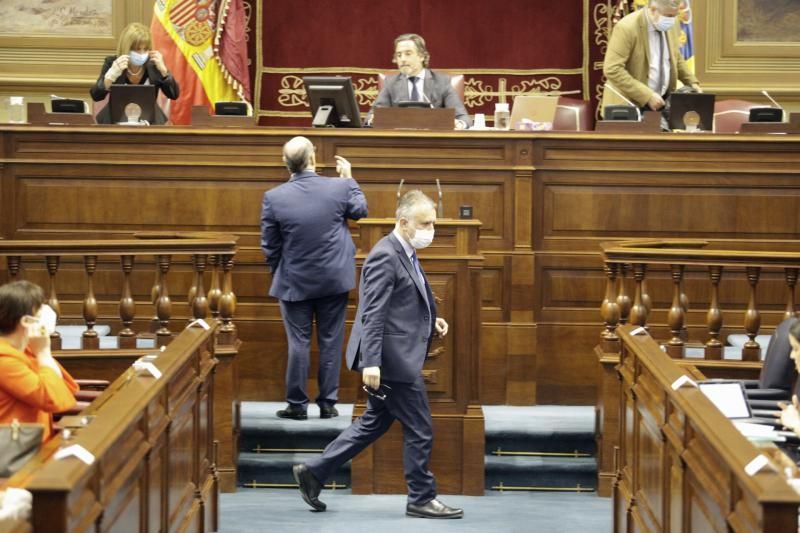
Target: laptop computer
x=682, y=103
x=728, y=396
x=536, y=108
x=142, y=95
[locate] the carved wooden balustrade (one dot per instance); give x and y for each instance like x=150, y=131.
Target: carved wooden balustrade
x=637, y=257
x=680, y=271
x=37, y=259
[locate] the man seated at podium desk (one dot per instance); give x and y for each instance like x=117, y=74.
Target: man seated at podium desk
x=416, y=82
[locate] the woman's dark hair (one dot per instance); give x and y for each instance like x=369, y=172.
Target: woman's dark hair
x=17, y=299
x=794, y=330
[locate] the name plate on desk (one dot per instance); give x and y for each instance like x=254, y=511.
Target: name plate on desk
x=201, y=118
x=412, y=118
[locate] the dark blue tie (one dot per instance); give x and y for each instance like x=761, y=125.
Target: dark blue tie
x=414, y=94
x=417, y=269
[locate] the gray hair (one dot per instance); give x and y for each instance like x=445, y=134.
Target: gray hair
x=666, y=4
x=410, y=202
x=297, y=154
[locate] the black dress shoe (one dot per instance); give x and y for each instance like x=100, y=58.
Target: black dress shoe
x=295, y=413
x=433, y=509
x=309, y=486
x=328, y=412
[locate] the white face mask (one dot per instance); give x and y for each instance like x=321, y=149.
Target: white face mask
x=422, y=238
x=664, y=23
x=137, y=58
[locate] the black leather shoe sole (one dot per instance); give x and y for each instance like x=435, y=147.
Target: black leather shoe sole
x=291, y=414
x=416, y=514
x=299, y=472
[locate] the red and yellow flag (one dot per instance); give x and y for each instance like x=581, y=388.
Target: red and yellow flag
x=203, y=43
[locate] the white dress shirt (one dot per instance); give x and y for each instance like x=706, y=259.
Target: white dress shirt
x=654, y=36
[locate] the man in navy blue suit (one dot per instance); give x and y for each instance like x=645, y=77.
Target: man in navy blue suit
x=311, y=255
x=389, y=342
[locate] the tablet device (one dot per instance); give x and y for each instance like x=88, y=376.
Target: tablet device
x=143, y=96
x=535, y=108
x=700, y=103
x=728, y=397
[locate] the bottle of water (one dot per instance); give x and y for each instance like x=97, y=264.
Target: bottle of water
x=16, y=109
x=501, y=116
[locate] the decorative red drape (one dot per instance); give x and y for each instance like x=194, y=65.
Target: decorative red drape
x=503, y=48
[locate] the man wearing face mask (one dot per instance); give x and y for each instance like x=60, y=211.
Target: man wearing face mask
x=136, y=63
x=643, y=61
x=388, y=344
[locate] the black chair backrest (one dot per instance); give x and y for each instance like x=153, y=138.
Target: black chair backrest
x=779, y=370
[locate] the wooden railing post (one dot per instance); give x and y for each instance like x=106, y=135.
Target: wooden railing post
x=638, y=310
x=198, y=301
x=163, y=304
x=214, y=292
x=623, y=300
x=91, y=341
x=714, y=316
x=609, y=310
x=127, y=306
x=14, y=264
x=676, y=316
x=791, y=282
x=52, y=262
x=752, y=318
x=227, y=302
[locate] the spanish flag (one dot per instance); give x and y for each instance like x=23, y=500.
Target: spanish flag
x=203, y=44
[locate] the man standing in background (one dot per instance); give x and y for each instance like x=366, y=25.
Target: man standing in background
x=311, y=255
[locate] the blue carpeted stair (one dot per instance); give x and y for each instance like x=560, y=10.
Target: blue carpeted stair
x=527, y=448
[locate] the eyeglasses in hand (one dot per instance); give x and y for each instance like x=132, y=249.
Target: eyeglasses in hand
x=380, y=393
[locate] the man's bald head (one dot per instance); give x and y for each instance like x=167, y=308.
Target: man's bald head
x=298, y=154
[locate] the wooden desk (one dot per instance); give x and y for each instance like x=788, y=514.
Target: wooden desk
x=681, y=463
x=545, y=201
x=153, y=443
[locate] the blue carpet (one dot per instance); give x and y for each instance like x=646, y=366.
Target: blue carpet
x=256, y=510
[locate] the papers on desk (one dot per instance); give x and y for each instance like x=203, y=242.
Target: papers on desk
x=759, y=432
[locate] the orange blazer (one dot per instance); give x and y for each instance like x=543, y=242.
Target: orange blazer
x=31, y=393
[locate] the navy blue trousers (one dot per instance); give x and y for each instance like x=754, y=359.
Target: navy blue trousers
x=329, y=314
x=406, y=402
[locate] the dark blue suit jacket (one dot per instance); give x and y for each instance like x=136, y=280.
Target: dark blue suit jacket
x=394, y=323
x=305, y=238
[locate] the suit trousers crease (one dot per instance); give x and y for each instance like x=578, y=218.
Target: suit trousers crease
x=298, y=317
x=406, y=402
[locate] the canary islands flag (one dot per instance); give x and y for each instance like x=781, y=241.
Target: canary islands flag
x=687, y=34
x=204, y=45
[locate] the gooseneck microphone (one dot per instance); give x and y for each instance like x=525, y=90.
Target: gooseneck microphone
x=776, y=104
x=613, y=90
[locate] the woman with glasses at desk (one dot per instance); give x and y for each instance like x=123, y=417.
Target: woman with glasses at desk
x=136, y=63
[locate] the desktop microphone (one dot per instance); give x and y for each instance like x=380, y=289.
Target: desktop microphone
x=425, y=96
x=440, y=208
x=776, y=104
x=613, y=90
x=399, y=189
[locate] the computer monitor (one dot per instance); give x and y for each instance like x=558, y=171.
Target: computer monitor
x=333, y=102
x=143, y=96
x=700, y=103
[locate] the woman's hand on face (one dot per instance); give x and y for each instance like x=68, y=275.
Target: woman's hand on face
x=38, y=340
x=158, y=61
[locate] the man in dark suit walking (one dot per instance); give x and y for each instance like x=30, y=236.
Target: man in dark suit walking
x=311, y=255
x=389, y=342
x=416, y=82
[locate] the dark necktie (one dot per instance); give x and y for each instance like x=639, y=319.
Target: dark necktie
x=417, y=269
x=414, y=94
x=661, y=37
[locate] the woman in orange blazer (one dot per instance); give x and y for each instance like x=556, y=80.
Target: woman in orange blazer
x=33, y=385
